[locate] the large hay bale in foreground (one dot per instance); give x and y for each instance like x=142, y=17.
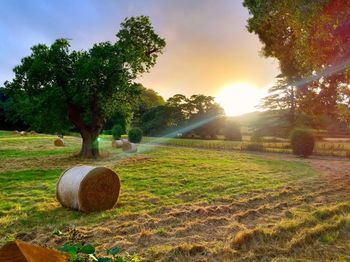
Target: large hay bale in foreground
x=59, y=142
x=88, y=188
x=117, y=143
x=129, y=147
x=24, y=252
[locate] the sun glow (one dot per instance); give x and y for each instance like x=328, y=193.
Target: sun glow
x=240, y=98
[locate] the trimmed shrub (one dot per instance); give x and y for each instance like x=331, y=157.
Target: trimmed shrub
x=135, y=135
x=117, y=131
x=303, y=142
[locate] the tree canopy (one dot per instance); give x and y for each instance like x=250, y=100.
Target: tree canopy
x=55, y=87
x=180, y=112
x=311, y=41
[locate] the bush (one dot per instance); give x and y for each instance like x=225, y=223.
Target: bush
x=135, y=135
x=302, y=142
x=117, y=131
x=81, y=252
x=106, y=132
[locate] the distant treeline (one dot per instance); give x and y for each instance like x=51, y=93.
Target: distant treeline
x=198, y=116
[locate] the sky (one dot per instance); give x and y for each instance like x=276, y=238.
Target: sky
x=208, y=45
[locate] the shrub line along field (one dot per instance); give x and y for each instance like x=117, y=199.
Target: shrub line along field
x=322, y=148
x=182, y=204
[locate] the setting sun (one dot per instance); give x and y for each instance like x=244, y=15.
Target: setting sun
x=239, y=98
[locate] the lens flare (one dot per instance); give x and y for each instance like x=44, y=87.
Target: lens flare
x=240, y=98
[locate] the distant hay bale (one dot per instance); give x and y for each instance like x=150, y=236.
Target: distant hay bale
x=59, y=142
x=23, y=133
x=88, y=188
x=129, y=147
x=33, y=132
x=117, y=143
x=15, y=132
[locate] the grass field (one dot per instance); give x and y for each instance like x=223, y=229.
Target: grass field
x=327, y=147
x=182, y=204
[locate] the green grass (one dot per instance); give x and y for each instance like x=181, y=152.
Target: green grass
x=178, y=202
x=156, y=178
x=12, y=153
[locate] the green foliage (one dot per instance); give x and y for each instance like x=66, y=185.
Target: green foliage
x=122, y=118
x=86, y=253
x=117, y=131
x=55, y=88
x=135, y=135
x=302, y=142
x=156, y=120
x=310, y=39
x=285, y=28
x=148, y=99
x=181, y=112
x=106, y=132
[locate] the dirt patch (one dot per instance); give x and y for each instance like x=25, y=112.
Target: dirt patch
x=337, y=171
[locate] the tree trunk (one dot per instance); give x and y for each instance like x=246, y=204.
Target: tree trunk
x=89, y=147
x=89, y=133
x=292, y=116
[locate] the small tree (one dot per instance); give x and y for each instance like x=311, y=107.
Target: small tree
x=55, y=88
x=302, y=142
x=135, y=135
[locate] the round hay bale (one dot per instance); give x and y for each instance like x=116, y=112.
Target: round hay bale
x=129, y=147
x=33, y=132
x=117, y=143
x=15, y=132
x=59, y=142
x=23, y=133
x=88, y=188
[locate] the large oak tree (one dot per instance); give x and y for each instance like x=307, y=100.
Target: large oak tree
x=55, y=88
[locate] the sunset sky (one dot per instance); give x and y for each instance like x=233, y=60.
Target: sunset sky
x=208, y=46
